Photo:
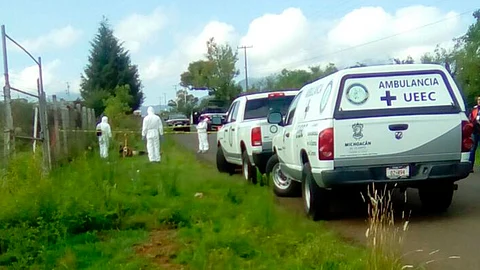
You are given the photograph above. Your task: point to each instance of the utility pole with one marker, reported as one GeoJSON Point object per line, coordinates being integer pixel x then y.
{"type": "Point", "coordinates": [246, 67]}
{"type": "Point", "coordinates": [8, 130]}
{"type": "Point", "coordinates": [68, 89]}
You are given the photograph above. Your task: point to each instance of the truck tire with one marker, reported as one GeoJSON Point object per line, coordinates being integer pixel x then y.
{"type": "Point", "coordinates": [436, 199]}
{"type": "Point", "coordinates": [249, 172]}
{"type": "Point", "coordinates": [222, 164]}
{"type": "Point", "coordinates": [282, 186]}
{"type": "Point", "coordinates": [316, 200]}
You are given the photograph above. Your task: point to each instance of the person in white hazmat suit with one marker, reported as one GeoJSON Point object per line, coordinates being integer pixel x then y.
{"type": "Point", "coordinates": [152, 129]}
{"type": "Point", "coordinates": [202, 135]}
{"type": "Point", "coordinates": [104, 134]}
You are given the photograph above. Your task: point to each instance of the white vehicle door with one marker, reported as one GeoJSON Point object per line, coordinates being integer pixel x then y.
{"type": "Point", "coordinates": [233, 133]}
{"type": "Point", "coordinates": [227, 130]}
{"type": "Point", "coordinates": [288, 151]}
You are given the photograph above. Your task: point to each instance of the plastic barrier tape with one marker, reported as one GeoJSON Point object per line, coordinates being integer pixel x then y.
{"type": "Point", "coordinates": [134, 132]}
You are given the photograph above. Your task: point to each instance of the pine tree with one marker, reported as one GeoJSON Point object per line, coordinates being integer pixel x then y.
{"type": "Point", "coordinates": [109, 66]}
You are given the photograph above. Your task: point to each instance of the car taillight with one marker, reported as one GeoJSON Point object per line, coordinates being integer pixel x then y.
{"type": "Point", "coordinates": [325, 144]}
{"type": "Point", "coordinates": [256, 136]}
{"type": "Point", "coordinates": [467, 130]}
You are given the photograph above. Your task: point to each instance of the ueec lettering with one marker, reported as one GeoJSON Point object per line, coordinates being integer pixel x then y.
{"type": "Point", "coordinates": [419, 96]}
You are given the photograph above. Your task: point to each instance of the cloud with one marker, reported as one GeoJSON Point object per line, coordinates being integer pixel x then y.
{"type": "Point", "coordinates": [366, 33]}
{"type": "Point", "coordinates": [137, 29]}
{"type": "Point", "coordinates": [191, 48]}
{"type": "Point", "coordinates": [371, 32]}
{"type": "Point", "coordinates": [277, 39]}
{"type": "Point", "coordinates": [26, 79]}
{"type": "Point", "coordinates": [289, 39]}
{"type": "Point", "coordinates": [56, 39]}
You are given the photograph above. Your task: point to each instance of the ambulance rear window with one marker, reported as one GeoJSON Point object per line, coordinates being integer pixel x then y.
{"type": "Point", "coordinates": [395, 93]}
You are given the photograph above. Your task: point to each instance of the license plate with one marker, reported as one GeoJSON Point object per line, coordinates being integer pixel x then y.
{"type": "Point", "coordinates": [398, 172]}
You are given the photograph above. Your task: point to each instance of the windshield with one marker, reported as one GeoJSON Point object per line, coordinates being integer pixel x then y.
{"type": "Point", "coordinates": [260, 108]}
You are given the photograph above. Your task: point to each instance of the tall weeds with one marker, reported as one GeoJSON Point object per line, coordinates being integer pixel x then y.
{"type": "Point", "coordinates": [385, 238]}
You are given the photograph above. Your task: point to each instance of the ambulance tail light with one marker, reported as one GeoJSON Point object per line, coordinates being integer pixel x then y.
{"type": "Point", "coordinates": [467, 130]}
{"type": "Point", "coordinates": [256, 136]}
{"type": "Point", "coordinates": [325, 144]}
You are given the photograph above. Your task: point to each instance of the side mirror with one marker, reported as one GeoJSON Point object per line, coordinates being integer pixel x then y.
{"type": "Point", "coordinates": [217, 120]}
{"type": "Point", "coordinates": [275, 118]}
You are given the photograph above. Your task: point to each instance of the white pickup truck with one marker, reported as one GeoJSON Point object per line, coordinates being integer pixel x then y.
{"type": "Point", "coordinates": [392, 125]}
{"type": "Point", "coordinates": [245, 137]}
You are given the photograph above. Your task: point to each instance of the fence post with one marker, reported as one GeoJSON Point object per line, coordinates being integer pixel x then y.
{"type": "Point", "coordinates": [65, 127]}
{"type": "Point", "coordinates": [35, 128]}
{"type": "Point", "coordinates": [84, 118]}
{"type": "Point", "coordinates": [89, 122]}
{"type": "Point", "coordinates": [56, 128]}
{"type": "Point", "coordinates": [9, 147]}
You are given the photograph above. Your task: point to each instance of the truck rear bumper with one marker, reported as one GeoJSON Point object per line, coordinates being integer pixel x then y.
{"type": "Point", "coordinates": [419, 173]}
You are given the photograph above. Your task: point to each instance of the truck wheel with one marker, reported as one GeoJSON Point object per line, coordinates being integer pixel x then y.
{"type": "Point", "coordinates": [283, 186]}
{"type": "Point", "coordinates": [436, 199]}
{"type": "Point", "coordinates": [316, 200]}
{"type": "Point", "coordinates": [249, 171]}
{"type": "Point", "coordinates": [222, 164]}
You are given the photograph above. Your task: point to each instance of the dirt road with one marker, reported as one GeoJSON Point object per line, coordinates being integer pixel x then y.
{"type": "Point", "coordinates": [455, 233]}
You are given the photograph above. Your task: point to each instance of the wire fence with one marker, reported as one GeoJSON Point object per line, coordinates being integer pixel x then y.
{"type": "Point", "coordinates": [63, 119]}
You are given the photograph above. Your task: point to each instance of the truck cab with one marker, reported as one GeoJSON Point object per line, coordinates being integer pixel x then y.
{"type": "Point", "coordinates": [245, 137]}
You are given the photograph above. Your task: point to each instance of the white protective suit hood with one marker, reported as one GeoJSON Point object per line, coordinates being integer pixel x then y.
{"type": "Point", "coordinates": [105, 120]}
{"type": "Point", "coordinates": [150, 110]}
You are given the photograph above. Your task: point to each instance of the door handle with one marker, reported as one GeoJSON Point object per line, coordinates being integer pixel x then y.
{"type": "Point", "coordinates": [398, 127]}
{"type": "Point", "coordinates": [287, 135]}
{"type": "Point", "coordinates": [233, 129]}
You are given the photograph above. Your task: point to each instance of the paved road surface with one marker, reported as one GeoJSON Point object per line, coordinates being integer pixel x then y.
{"type": "Point", "coordinates": [455, 233]}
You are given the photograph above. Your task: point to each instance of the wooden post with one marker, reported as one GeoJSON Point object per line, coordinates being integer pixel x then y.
{"type": "Point", "coordinates": [78, 127]}
{"type": "Point", "coordinates": [89, 118]}
{"type": "Point", "coordinates": [35, 128]}
{"type": "Point", "coordinates": [84, 118]}
{"type": "Point", "coordinates": [65, 127]}
{"type": "Point", "coordinates": [56, 131]}
{"type": "Point", "coordinates": [9, 146]}
{"type": "Point", "coordinates": [92, 119]}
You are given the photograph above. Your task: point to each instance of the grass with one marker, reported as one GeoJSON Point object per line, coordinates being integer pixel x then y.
{"type": "Point", "coordinates": [386, 233]}
{"type": "Point", "coordinates": [96, 214]}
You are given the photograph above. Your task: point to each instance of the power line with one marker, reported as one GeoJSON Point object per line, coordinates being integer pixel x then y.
{"type": "Point", "coordinates": [376, 40]}
{"type": "Point", "coordinates": [246, 66]}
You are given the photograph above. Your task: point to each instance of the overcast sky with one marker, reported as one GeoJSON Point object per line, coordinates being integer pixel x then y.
{"type": "Point", "coordinates": [164, 38]}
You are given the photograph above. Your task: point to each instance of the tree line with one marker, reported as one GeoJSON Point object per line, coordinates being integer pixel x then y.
{"type": "Point", "coordinates": [111, 83]}
{"type": "Point", "coordinates": [216, 72]}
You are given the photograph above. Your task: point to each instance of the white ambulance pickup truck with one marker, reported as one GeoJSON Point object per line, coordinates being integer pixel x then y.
{"type": "Point", "coordinates": [245, 137]}
{"type": "Point", "coordinates": [402, 125]}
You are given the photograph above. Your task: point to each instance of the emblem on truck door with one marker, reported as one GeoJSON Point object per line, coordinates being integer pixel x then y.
{"type": "Point", "coordinates": [273, 129]}
{"type": "Point", "coordinates": [357, 131]}
{"type": "Point", "coordinates": [398, 135]}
